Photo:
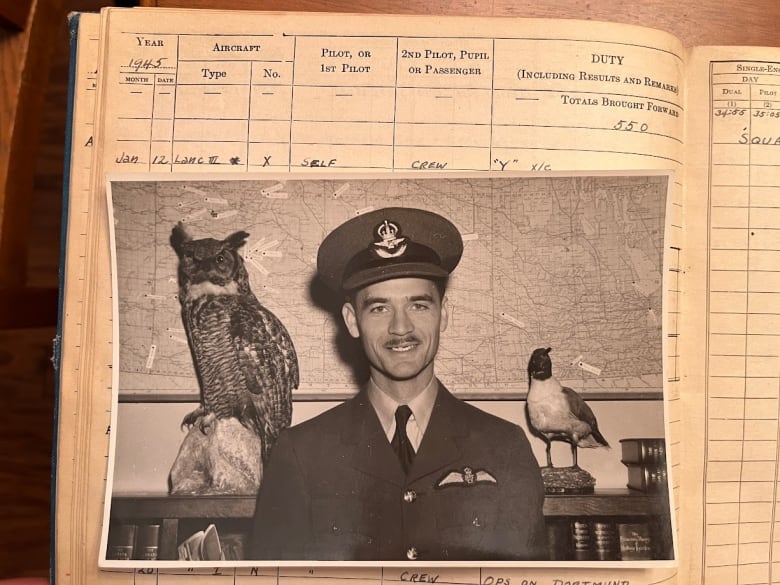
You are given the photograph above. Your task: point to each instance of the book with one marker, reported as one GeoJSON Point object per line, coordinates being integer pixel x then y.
{"type": "Point", "coordinates": [147, 543]}
{"type": "Point", "coordinates": [133, 542]}
{"type": "Point", "coordinates": [645, 461]}
{"type": "Point", "coordinates": [605, 540]}
{"type": "Point", "coordinates": [582, 540]}
{"type": "Point", "coordinates": [121, 546]}
{"type": "Point", "coordinates": [253, 93]}
{"type": "Point", "coordinates": [635, 541]}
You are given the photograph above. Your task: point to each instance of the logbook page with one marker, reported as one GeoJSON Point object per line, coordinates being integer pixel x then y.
{"type": "Point", "coordinates": [194, 91]}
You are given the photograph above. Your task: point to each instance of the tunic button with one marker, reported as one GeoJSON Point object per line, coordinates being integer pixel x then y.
{"type": "Point", "coordinates": [410, 496]}
{"type": "Point", "coordinates": [411, 554]}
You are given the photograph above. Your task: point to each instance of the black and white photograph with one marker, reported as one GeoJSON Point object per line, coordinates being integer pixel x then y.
{"type": "Point", "coordinates": [412, 369]}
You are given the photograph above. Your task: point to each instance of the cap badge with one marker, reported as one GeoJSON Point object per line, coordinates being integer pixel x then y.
{"type": "Point", "coordinates": [389, 242]}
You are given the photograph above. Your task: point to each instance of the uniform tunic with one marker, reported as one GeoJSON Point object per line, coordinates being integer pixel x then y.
{"type": "Point", "coordinates": [334, 490]}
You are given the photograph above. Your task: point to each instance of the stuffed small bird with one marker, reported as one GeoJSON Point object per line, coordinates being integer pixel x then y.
{"type": "Point", "coordinates": [557, 413]}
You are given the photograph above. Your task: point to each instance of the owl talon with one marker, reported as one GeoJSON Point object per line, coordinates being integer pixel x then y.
{"type": "Point", "coordinates": [193, 418]}
{"type": "Point", "coordinates": [206, 422]}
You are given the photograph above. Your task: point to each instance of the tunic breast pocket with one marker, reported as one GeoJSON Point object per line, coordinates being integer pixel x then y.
{"type": "Point", "coordinates": [464, 517]}
{"type": "Point", "coordinates": [343, 529]}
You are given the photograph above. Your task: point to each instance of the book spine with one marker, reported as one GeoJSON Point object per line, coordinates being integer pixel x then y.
{"type": "Point", "coordinates": [582, 540]}
{"type": "Point", "coordinates": [646, 478]}
{"type": "Point", "coordinates": [121, 542]}
{"type": "Point", "coordinates": [147, 542]}
{"type": "Point", "coordinates": [636, 544]}
{"type": "Point", "coordinates": [605, 541]}
{"type": "Point", "coordinates": [559, 540]}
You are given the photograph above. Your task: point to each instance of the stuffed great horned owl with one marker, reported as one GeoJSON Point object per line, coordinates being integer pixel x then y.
{"type": "Point", "coordinates": [246, 367]}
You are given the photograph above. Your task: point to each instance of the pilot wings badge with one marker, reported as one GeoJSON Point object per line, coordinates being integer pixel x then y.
{"type": "Point", "coordinates": [466, 478]}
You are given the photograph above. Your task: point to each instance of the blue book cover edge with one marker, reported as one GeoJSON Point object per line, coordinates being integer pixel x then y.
{"type": "Point", "coordinates": [73, 27]}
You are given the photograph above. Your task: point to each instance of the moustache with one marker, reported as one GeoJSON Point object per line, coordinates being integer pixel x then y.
{"type": "Point", "coordinates": [397, 342]}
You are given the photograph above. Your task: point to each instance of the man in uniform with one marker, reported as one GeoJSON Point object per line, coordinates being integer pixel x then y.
{"type": "Point", "coordinates": [404, 470]}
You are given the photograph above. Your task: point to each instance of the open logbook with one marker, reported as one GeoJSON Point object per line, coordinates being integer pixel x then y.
{"type": "Point", "coordinates": [616, 195]}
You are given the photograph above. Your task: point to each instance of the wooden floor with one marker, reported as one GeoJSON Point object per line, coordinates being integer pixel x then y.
{"type": "Point", "coordinates": [26, 372]}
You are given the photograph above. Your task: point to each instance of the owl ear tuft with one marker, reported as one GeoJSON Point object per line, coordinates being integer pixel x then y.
{"type": "Point", "coordinates": [179, 237]}
{"type": "Point", "coordinates": [237, 239]}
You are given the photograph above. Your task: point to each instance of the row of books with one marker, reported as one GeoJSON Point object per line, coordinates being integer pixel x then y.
{"type": "Point", "coordinates": [645, 461]}
{"type": "Point", "coordinates": [584, 539]}
{"type": "Point", "coordinates": [128, 542]}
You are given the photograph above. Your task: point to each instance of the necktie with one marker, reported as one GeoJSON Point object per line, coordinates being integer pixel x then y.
{"type": "Point", "coordinates": [400, 443]}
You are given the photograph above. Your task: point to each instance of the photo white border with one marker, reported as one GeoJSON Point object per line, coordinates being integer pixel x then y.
{"type": "Point", "coordinates": [170, 566]}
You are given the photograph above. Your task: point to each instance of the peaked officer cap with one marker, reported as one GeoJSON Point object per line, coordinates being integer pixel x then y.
{"type": "Point", "coordinates": [393, 242]}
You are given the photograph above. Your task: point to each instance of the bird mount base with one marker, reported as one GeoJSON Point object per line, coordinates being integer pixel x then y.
{"type": "Point", "coordinates": [567, 481]}
{"type": "Point", "coordinates": [224, 460]}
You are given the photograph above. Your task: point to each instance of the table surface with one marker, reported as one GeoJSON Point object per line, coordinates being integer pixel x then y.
{"type": "Point", "coordinates": [695, 22]}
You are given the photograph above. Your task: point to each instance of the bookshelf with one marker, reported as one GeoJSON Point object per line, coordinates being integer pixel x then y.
{"type": "Point", "coordinates": [600, 523]}
{"type": "Point", "coordinates": [174, 513]}
{"type": "Point", "coordinates": [606, 502]}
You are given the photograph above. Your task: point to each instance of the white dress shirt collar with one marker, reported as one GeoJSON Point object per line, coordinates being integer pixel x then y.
{"type": "Point", "coordinates": [421, 406]}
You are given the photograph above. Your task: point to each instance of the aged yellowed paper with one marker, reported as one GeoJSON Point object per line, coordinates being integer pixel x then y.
{"type": "Point", "coordinates": [732, 371]}
{"type": "Point", "coordinates": [186, 91]}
